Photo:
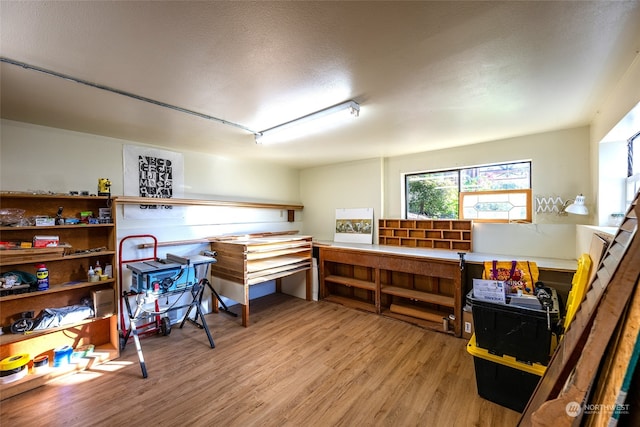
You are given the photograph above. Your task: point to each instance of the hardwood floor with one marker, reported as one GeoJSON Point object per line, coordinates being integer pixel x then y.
{"type": "Point", "coordinates": [300, 363]}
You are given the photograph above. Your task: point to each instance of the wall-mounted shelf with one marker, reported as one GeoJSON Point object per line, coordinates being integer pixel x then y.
{"type": "Point", "coordinates": [456, 235]}
{"type": "Point", "coordinates": [132, 200]}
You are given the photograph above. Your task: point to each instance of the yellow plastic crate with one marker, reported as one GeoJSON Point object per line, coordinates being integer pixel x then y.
{"type": "Point", "coordinates": [579, 286]}
{"type": "Point", "coordinates": [505, 360]}
{"type": "Point", "coordinates": [503, 379]}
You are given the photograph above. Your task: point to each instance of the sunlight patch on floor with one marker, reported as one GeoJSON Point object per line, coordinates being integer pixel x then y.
{"type": "Point", "coordinates": [92, 373]}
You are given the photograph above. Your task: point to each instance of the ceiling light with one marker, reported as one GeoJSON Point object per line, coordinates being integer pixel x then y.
{"type": "Point", "coordinates": [577, 207]}
{"type": "Point", "coordinates": [305, 125]}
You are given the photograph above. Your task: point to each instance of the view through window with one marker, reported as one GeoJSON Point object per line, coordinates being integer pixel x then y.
{"type": "Point", "coordinates": [497, 193]}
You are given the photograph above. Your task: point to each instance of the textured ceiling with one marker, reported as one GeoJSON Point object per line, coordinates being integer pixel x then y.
{"type": "Point", "coordinates": [428, 75]}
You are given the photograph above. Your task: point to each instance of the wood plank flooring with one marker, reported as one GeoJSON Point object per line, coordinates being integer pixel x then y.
{"type": "Point", "coordinates": [300, 363]}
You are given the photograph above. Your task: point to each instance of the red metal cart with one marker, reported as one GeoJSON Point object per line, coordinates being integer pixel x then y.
{"type": "Point", "coordinates": [159, 324]}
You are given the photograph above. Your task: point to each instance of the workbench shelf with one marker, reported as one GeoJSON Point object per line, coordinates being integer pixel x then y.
{"type": "Point", "coordinates": [430, 234]}
{"type": "Point", "coordinates": [351, 284]}
{"type": "Point", "coordinates": [84, 245]}
{"type": "Point", "coordinates": [417, 298]}
{"type": "Point", "coordinates": [420, 290]}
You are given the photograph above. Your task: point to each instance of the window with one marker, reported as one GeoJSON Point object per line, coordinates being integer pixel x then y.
{"type": "Point", "coordinates": [491, 193]}
{"type": "Point", "coordinates": [633, 168]}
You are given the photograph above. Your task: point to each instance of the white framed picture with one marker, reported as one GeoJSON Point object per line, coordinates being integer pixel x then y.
{"type": "Point", "coordinates": [354, 225]}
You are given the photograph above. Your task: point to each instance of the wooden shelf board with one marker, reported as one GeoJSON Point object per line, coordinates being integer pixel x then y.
{"type": "Point", "coordinates": [52, 258]}
{"type": "Point", "coordinates": [31, 195]}
{"type": "Point", "coordinates": [101, 354]}
{"type": "Point", "coordinates": [268, 264]}
{"type": "Point", "coordinates": [57, 288]}
{"type": "Point", "coordinates": [349, 281]}
{"type": "Point", "coordinates": [251, 256]}
{"type": "Point", "coordinates": [277, 274]}
{"type": "Point", "coordinates": [442, 300]}
{"type": "Point", "coordinates": [435, 326]}
{"type": "Point", "coordinates": [58, 227]}
{"type": "Point", "coordinates": [8, 338]}
{"type": "Point", "coordinates": [132, 200]}
{"type": "Point", "coordinates": [288, 242]}
{"type": "Point", "coordinates": [263, 244]}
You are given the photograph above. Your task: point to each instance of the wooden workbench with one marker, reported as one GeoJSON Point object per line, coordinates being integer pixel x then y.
{"type": "Point", "coordinates": [246, 262]}
{"type": "Point", "coordinates": [414, 284]}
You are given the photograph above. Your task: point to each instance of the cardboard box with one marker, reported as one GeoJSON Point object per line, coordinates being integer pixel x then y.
{"type": "Point", "coordinates": [103, 302]}
{"type": "Point", "coordinates": [45, 222]}
{"type": "Point", "coordinates": [45, 241]}
{"type": "Point", "coordinates": [467, 323]}
{"type": "Point", "coordinates": [489, 290]}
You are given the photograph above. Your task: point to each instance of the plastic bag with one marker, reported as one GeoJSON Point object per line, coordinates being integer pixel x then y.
{"type": "Point", "coordinates": [54, 317]}
{"type": "Point", "coordinates": [518, 275]}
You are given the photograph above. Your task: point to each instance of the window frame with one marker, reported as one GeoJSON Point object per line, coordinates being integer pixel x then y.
{"type": "Point", "coordinates": [528, 192]}
{"type": "Point", "coordinates": [529, 210]}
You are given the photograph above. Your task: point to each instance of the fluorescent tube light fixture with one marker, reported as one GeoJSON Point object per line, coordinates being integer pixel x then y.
{"type": "Point", "coordinates": [310, 123]}
{"type": "Point", "coordinates": [577, 206]}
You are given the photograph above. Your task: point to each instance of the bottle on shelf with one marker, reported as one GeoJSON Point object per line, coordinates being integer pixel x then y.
{"type": "Point", "coordinates": [42, 274]}
{"type": "Point", "coordinates": [91, 275]}
{"type": "Point", "coordinates": [97, 269]}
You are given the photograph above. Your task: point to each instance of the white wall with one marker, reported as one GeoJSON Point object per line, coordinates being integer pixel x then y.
{"type": "Point", "coordinates": [43, 158]}
{"type": "Point", "coordinates": [39, 158]}
{"type": "Point", "coordinates": [345, 185]}
{"type": "Point", "coordinates": [526, 240]}
{"type": "Point", "coordinates": [560, 167]}
{"type": "Point", "coordinates": [612, 180]}
{"type": "Point", "coordinates": [620, 100]}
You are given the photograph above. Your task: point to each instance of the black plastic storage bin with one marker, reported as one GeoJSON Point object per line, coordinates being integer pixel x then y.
{"type": "Point", "coordinates": [524, 333]}
{"type": "Point", "coordinates": [504, 380]}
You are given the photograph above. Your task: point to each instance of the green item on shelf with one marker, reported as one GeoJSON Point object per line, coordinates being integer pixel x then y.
{"type": "Point", "coordinates": [26, 278]}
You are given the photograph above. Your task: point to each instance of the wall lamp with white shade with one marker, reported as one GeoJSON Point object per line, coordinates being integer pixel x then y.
{"type": "Point", "coordinates": [282, 132]}
{"type": "Point", "coordinates": [576, 206]}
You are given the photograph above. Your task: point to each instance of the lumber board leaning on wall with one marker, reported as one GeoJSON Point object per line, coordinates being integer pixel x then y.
{"type": "Point", "coordinates": [571, 371]}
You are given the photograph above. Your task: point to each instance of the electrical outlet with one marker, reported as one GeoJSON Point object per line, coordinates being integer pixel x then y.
{"type": "Point", "coordinates": [467, 327]}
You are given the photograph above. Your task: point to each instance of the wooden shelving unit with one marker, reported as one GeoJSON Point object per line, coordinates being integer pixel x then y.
{"type": "Point", "coordinates": [350, 278]}
{"type": "Point", "coordinates": [242, 263]}
{"type": "Point", "coordinates": [416, 289]}
{"type": "Point", "coordinates": [67, 285]}
{"type": "Point", "coordinates": [452, 234]}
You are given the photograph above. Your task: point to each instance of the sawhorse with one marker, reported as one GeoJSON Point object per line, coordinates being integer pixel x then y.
{"type": "Point", "coordinates": [204, 282]}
